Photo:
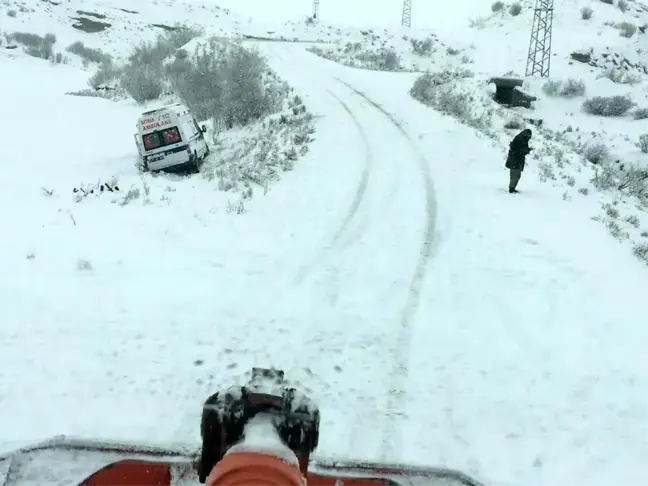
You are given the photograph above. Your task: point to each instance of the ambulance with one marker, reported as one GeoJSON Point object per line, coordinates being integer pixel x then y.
{"type": "Point", "coordinates": [170, 138]}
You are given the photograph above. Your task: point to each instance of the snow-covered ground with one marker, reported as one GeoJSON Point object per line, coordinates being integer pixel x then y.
{"type": "Point", "coordinates": [435, 319]}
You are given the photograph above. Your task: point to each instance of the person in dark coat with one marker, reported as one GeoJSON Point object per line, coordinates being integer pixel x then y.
{"type": "Point", "coordinates": [518, 150]}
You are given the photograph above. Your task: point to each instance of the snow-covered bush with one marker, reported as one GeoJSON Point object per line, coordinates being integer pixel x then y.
{"type": "Point", "coordinates": [620, 76]}
{"type": "Point", "coordinates": [607, 105]}
{"type": "Point", "coordinates": [586, 13]}
{"type": "Point", "coordinates": [640, 250]}
{"type": "Point", "coordinates": [441, 91]}
{"type": "Point", "coordinates": [106, 73]}
{"type": "Point", "coordinates": [596, 153]}
{"type": "Point", "coordinates": [626, 29]}
{"type": "Point", "coordinates": [257, 153]}
{"type": "Point", "coordinates": [35, 45]}
{"type": "Point", "coordinates": [552, 87]}
{"type": "Point", "coordinates": [623, 5]}
{"type": "Point", "coordinates": [226, 82]}
{"type": "Point", "coordinates": [384, 59]}
{"type": "Point", "coordinates": [640, 114]}
{"type": "Point", "coordinates": [143, 76]}
{"type": "Point", "coordinates": [94, 93]}
{"type": "Point", "coordinates": [364, 57]}
{"type": "Point", "coordinates": [11, 13]}
{"type": "Point", "coordinates": [570, 88]}
{"type": "Point", "coordinates": [546, 172]}
{"type": "Point", "coordinates": [515, 9]}
{"type": "Point", "coordinates": [514, 124]}
{"type": "Point", "coordinates": [88, 54]}
{"type": "Point", "coordinates": [422, 47]}
{"type": "Point", "coordinates": [643, 143]}
{"type": "Point", "coordinates": [497, 6]}
{"type": "Point", "coordinates": [143, 81]}
{"type": "Point", "coordinates": [628, 179]}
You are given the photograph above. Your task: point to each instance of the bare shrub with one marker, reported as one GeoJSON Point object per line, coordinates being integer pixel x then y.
{"type": "Point", "coordinates": [631, 180]}
{"type": "Point", "coordinates": [626, 29]}
{"type": "Point", "coordinates": [607, 105]}
{"type": "Point", "coordinates": [385, 59]}
{"type": "Point", "coordinates": [570, 88]}
{"type": "Point", "coordinates": [586, 13]}
{"type": "Point", "coordinates": [225, 81]}
{"type": "Point", "coordinates": [106, 74]}
{"type": "Point", "coordinates": [640, 114]}
{"type": "Point", "coordinates": [422, 47]}
{"type": "Point", "coordinates": [596, 153]}
{"type": "Point", "coordinates": [643, 143]}
{"type": "Point", "coordinates": [514, 124]}
{"type": "Point", "coordinates": [640, 250]}
{"type": "Point", "coordinates": [620, 76]}
{"type": "Point", "coordinates": [143, 77]}
{"type": "Point", "coordinates": [35, 45]}
{"type": "Point", "coordinates": [88, 54]}
{"type": "Point", "coordinates": [515, 9]}
{"type": "Point", "coordinates": [440, 90]}
{"type": "Point", "coordinates": [552, 87]}
{"type": "Point", "coordinates": [143, 82]}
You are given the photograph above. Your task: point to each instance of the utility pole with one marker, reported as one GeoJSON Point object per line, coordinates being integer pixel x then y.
{"type": "Point", "coordinates": [316, 10]}
{"type": "Point", "coordinates": [406, 19]}
{"type": "Point", "coordinates": [539, 58]}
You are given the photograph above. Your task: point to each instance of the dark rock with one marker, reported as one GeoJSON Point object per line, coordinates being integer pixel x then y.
{"type": "Point", "coordinates": [89, 26]}
{"type": "Point", "coordinates": [584, 57]}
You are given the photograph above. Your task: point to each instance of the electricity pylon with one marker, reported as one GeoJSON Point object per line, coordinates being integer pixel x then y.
{"type": "Point", "coordinates": [539, 58]}
{"type": "Point", "coordinates": [316, 10]}
{"type": "Point", "coordinates": [406, 19]}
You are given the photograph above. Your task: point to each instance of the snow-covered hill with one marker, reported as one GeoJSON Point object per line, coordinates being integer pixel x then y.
{"type": "Point", "coordinates": [378, 259]}
{"type": "Point", "coordinates": [599, 50]}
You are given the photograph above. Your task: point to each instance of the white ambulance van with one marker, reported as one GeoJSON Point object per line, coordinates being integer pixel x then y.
{"type": "Point", "coordinates": [169, 137]}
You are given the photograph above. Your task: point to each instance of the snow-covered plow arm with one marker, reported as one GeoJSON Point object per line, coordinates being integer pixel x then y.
{"type": "Point", "coordinates": [67, 461]}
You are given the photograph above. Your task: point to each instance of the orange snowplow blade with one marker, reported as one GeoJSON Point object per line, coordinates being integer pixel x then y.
{"type": "Point", "coordinates": [81, 462]}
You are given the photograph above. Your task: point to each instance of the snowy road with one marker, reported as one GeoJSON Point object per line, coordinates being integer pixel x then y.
{"type": "Point", "coordinates": [517, 356]}
{"type": "Point", "coordinates": [377, 256]}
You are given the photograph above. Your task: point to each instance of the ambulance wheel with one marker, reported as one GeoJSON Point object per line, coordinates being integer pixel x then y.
{"type": "Point", "coordinates": [196, 162]}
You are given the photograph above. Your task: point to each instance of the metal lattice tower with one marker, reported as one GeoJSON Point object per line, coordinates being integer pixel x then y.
{"type": "Point", "coordinates": [406, 20]}
{"type": "Point", "coordinates": [539, 58]}
{"type": "Point", "coordinates": [316, 10]}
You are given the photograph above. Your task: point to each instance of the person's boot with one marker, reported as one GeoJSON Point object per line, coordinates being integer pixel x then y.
{"type": "Point", "coordinates": [513, 191]}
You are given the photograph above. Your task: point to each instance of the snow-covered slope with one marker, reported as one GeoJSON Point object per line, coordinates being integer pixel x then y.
{"type": "Point", "coordinates": [435, 319]}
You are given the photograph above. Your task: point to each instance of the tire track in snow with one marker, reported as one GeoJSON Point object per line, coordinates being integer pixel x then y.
{"type": "Point", "coordinates": [357, 198]}
{"type": "Point", "coordinates": [391, 445]}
